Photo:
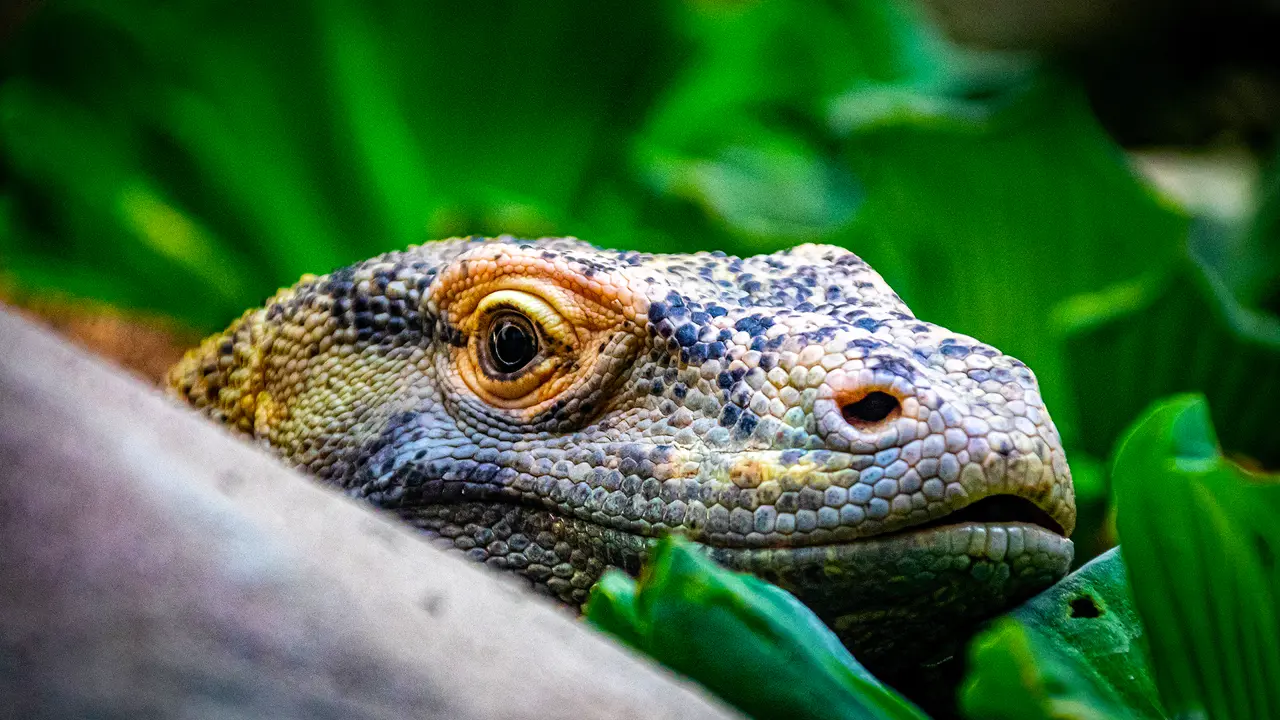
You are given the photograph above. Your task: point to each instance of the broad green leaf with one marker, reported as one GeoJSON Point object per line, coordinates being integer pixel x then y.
{"type": "Point", "coordinates": [1178, 329]}
{"type": "Point", "coordinates": [775, 187]}
{"type": "Point", "coordinates": [1074, 651]}
{"type": "Point", "coordinates": [751, 643]}
{"type": "Point", "coordinates": [1200, 539]}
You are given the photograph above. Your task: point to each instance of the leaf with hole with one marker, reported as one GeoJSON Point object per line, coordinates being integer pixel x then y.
{"type": "Point", "coordinates": [1076, 650]}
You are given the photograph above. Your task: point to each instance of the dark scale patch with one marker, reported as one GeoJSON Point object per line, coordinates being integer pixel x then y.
{"type": "Point", "coordinates": [867, 344]}
{"type": "Point", "coordinates": [345, 275]}
{"type": "Point", "coordinates": [729, 416]}
{"type": "Point", "coordinates": [363, 320]}
{"type": "Point", "coordinates": [955, 351]}
{"type": "Point", "coordinates": [868, 324]}
{"type": "Point", "coordinates": [716, 311]}
{"type": "Point", "coordinates": [895, 366]}
{"type": "Point", "coordinates": [453, 336]}
{"type": "Point", "coordinates": [746, 425]}
{"type": "Point", "coordinates": [679, 391]}
{"type": "Point", "coordinates": [753, 325]}
{"type": "Point", "coordinates": [716, 350]}
{"type": "Point", "coordinates": [724, 380]}
{"type": "Point", "coordinates": [687, 335]}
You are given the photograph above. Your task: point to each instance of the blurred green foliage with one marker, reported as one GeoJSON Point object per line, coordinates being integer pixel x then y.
{"type": "Point", "coordinates": [191, 157]}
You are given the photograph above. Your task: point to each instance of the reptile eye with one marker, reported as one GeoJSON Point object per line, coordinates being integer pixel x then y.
{"type": "Point", "coordinates": [518, 346]}
{"type": "Point", "coordinates": [512, 343]}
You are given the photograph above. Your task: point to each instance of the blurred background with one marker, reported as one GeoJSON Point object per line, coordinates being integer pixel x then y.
{"type": "Point", "coordinates": [1090, 186]}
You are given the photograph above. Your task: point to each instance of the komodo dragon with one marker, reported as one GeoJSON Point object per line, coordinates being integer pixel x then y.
{"type": "Point", "coordinates": [549, 408]}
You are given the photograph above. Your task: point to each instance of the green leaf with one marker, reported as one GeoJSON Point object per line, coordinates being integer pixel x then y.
{"type": "Point", "coordinates": [1015, 676]}
{"type": "Point", "coordinates": [776, 187]}
{"type": "Point", "coordinates": [1074, 651]}
{"type": "Point", "coordinates": [1181, 328]}
{"type": "Point", "coordinates": [1201, 540]}
{"type": "Point", "coordinates": [751, 643]}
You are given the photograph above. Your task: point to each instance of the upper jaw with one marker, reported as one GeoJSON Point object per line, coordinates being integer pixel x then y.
{"type": "Point", "coordinates": [801, 499]}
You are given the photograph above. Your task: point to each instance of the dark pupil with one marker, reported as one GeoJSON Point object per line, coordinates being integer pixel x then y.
{"type": "Point", "coordinates": [512, 346]}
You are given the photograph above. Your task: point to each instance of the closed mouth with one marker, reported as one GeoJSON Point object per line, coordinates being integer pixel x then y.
{"type": "Point", "coordinates": [992, 509]}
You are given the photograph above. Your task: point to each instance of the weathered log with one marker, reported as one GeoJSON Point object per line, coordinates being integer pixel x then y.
{"type": "Point", "coordinates": [153, 566]}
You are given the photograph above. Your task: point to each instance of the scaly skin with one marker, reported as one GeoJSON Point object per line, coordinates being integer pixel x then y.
{"type": "Point", "coordinates": [701, 394]}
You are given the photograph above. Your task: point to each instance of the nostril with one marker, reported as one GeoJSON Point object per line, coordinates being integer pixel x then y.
{"type": "Point", "coordinates": [872, 408]}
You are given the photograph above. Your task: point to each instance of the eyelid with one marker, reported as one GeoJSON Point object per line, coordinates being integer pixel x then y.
{"type": "Point", "coordinates": [543, 314]}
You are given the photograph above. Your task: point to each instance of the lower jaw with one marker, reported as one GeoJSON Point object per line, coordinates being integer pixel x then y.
{"type": "Point", "coordinates": [913, 598]}
{"type": "Point", "coordinates": [898, 601]}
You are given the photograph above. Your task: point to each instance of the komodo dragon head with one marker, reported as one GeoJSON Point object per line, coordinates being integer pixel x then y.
{"type": "Point", "coordinates": [549, 408]}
